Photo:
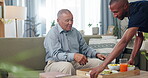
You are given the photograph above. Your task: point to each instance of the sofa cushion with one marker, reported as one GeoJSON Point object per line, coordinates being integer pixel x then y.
{"type": "Point", "coordinates": [104, 46]}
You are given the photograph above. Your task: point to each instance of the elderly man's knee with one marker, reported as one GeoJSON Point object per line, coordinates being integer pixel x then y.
{"type": "Point", "coordinates": [68, 65]}
{"type": "Point", "coordinates": [68, 68]}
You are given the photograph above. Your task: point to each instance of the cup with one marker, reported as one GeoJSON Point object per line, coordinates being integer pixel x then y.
{"type": "Point", "coordinates": [123, 64]}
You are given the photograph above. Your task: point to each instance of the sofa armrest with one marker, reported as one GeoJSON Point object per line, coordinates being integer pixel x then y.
{"type": "Point", "coordinates": [143, 61]}
{"type": "Point", "coordinates": [144, 45]}
{"type": "Point", "coordinates": [88, 37]}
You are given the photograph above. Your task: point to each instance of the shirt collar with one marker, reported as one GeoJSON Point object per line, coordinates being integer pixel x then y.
{"type": "Point", "coordinates": [61, 30]}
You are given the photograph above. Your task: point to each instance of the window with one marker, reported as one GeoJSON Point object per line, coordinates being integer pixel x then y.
{"type": "Point", "coordinates": [84, 12]}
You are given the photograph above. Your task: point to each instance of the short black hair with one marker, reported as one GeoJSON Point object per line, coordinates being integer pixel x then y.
{"type": "Point", "coordinates": [113, 1]}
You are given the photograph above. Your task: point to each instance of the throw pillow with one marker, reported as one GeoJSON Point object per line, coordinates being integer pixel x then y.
{"type": "Point", "coordinates": [103, 45]}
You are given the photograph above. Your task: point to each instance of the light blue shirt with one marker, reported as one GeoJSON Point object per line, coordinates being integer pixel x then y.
{"type": "Point", "coordinates": [61, 45]}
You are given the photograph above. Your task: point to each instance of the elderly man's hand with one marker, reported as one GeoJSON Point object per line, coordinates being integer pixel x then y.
{"type": "Point", "coordinates": [80, 58]}
{"type": "Point", "coordinates": [95, 71]}
{"type": "Point", "coordinates": [100, 56]}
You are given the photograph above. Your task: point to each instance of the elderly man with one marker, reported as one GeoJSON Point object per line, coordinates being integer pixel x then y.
{"type": "Point", "coordinates": [66, 49]}
{"type": "Point", "coordinates": [138, 22]}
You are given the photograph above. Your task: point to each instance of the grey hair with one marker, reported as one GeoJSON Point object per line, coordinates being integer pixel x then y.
{"type": "Point", "coordinates": [113, 1]}
{"type": "Point", "coordinates": [62, 11]}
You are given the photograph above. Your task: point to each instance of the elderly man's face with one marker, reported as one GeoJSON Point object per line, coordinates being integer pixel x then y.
{"type": "Point", "coordinates": [66, 21]}
{"type": "Point", "coordinates": [118, 10]}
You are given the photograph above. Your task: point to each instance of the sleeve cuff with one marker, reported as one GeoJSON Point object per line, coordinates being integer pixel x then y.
{"type": "Point", "coordinates": [70, 57]}
{"type": "Point", "coordinates": [94, 54]}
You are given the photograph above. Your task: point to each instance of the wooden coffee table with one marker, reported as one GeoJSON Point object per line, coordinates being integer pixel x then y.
{"type": "Point", "coordinates": [143, 74]}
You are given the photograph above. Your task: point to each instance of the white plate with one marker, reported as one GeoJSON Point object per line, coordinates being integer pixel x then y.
{"type": "Point", "coordinates": [113, 71]}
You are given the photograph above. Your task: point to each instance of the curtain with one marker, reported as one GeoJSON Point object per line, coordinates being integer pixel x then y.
{"type": "Point", "coordinates": [30, 4]}
{"type": "Point", "coordinates": [34, 25]}
{"type": "Point", "coordinates": [107, 18]}
{"type": "Point", "coordinates": [10, 2]}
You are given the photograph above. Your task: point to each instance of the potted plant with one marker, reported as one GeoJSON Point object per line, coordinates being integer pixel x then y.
{"type": "Point", "coordinates": [52, 23]}
{"type": "Point", "coordinates": [95, 30]}
{"type": "Point", "coordinates": [145, 47]}
{"type": "Point", "coordinates": [31, 22]}
{"type": "Point", "coordinates": [115, 31]}
{"type": "Point", "coordinates": [89, 25]}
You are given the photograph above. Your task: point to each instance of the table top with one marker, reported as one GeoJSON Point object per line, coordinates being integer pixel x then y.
{"type": "Point", "coordinates": [143, 74]}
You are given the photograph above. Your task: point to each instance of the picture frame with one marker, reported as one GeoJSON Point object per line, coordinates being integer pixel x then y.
{"type": "Point", "coordinates": [110, 30]}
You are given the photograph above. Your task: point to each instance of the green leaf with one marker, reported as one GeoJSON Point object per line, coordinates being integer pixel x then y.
{"type": "Point", "coordinates": [89, 25]}
{"type": "Point", "coordinates": [18, 71]}
{"type": "Point", "coordinates": [143, 53]}
{"type": "Point", "coordinates": [53, 23]}
{"type": "Point", "coordinates": [146, 35]}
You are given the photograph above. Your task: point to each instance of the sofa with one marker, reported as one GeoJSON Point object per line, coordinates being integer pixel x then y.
{"type": "Point", "coordinates": [30, 52]}
{"type": "Point", "coordinates": [26, 52]}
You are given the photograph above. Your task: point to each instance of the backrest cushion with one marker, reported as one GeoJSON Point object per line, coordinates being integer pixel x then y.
{"type": "Point", "coordinates": [104, 46]}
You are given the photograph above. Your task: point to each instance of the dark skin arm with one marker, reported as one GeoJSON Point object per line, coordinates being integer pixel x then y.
{"type": "Point", "coordinates": [137, 45]}
{"type": "Point", "coordinates": [128, 35]}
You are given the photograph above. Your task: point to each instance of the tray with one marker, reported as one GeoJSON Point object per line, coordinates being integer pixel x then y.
{"type": "Point", "coordinates": [84, 72]}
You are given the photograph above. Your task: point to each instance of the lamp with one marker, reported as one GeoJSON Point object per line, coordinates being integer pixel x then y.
{"type": "Point", "coordinates": [17, 13]}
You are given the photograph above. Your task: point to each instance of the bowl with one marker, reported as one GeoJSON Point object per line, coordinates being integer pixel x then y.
{"type": "Point", "coordinates": [113, 66]}
{"type": "Point", "coordinates": [130, 67]}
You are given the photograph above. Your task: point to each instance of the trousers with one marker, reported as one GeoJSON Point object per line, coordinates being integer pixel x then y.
{"type": "Point", "coordinates": [70, 67]}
